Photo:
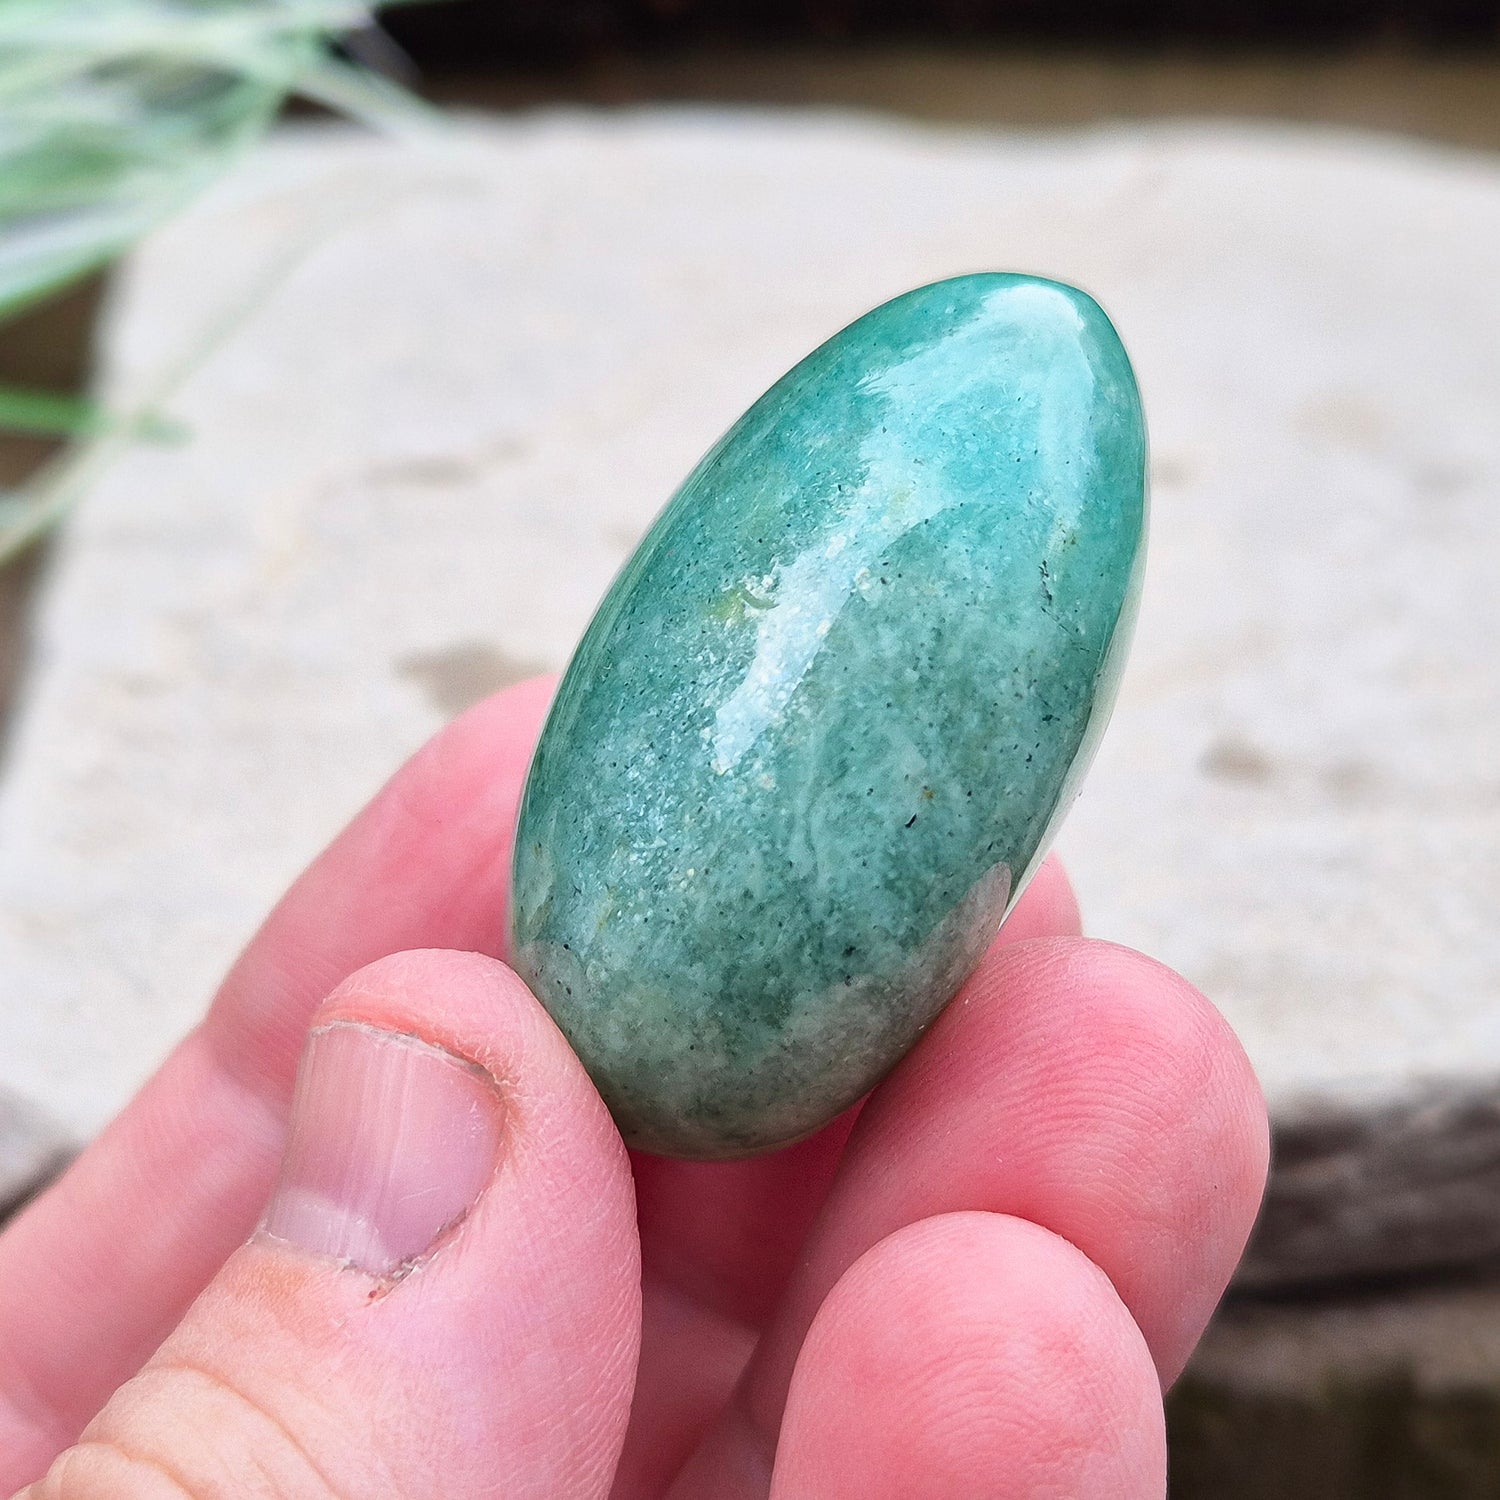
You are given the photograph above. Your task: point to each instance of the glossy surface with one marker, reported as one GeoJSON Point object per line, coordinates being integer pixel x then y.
{"type": "Point", "coordinates": [820, 730]}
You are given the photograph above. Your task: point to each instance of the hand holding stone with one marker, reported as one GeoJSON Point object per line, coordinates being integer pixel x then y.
{"type": "Point", "coordinates": [974, 1285]}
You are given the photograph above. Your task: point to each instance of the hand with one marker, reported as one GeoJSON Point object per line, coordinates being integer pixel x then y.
{"type": "Point", "coordinates": [977, 1287]}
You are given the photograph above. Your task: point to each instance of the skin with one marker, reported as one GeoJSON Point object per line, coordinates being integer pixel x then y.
{"type": "Point", "coordinates": [977, 1283]}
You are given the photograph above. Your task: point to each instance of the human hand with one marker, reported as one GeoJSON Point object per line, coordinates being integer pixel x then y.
{"type": "Point", "coordinates": [979, 1286]}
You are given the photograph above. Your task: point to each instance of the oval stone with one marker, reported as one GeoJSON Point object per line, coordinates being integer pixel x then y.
{"type": "Point", "coordinates": [820, 731]}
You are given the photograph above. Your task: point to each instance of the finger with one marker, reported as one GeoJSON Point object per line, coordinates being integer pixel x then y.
{"type": "Point", "coordinates": [720, 1240]}
{"type": "Point", "coordinates": [717, 1242]}
{"type": "Point", "coordinates": [1074, 1084]}
{"type": "Point", "coordinates": [967, 1355]}
{"type": "Point", "coordinates": [1047, 908]}
{"type": "Point", "coordinates": [444, 1290]}
{"type": "Point", "coordinates": [98, 1269]}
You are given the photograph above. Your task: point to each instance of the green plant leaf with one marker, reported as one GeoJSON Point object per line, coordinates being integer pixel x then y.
{"type": "Point", "coordinates": [113, 113]}
{"type": "Point", "coordinates": [49, 414]}
{"type": "Point", "coordinates": [43, 414]}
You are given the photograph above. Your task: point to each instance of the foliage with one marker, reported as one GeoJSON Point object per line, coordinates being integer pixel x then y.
{"type": "Point", "coordinates": [114, 113]}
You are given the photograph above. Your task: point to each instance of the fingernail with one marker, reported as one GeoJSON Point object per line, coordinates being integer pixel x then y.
{"type": "Point", "coordinates": [391, 1143]}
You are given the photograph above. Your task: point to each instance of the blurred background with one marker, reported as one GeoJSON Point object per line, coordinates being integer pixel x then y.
{"type": "Point", "coordinates": [1421, 68]}
{"type": "Point", "coordinates": [344, 358]}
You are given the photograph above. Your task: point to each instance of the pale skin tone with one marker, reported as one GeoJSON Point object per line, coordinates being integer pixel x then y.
{"type": "Point", "coordinates": [976, 1285]}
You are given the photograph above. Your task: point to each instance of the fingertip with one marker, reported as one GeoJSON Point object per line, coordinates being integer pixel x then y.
{"type": "Point", "coordinates": [518, 705]}
{"type": "Point", "coordinates": [487, 745]}
{"type": "Point", "coordinates": [1184, 1073]}
{"type": "Point", "coordinates": [466, 1002]}
{"type": "Point", "coordinates": [479, 1009]}
{"type": "Point", "coordinates": [1139, 1067]}
{"type": "Point", "coordinates": [1214, 1110]}
{"type": "Point", "coordinates": [972, 1353]}
{"type": "Point", "coordinates": [1048, 907]}
{"type": "Point", "coordinates": [517, 712]}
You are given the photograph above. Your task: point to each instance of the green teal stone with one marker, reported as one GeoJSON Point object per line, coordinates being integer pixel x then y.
{"type": "Point", "coordinates": [822, 727]}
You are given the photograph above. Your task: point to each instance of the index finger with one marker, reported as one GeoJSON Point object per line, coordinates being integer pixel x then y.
{"type": "Point", "coordinates": [98, 1270]}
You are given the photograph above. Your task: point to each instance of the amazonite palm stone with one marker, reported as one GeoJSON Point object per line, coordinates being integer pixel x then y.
{"type": "Point", "coordinates": [823, 725]}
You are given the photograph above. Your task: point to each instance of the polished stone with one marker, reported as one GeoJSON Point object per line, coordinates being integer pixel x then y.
{"type": "Point", "coordinates": [818, 734]}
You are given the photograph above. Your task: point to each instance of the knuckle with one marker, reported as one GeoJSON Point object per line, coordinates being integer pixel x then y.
{"type": "Point", "coordinates": [96, 1469]}
{"type": "Point", "coordinates": [181, 1431]}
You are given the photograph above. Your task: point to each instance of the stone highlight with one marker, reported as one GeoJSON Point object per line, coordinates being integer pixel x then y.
{"type": "Point", "coordinates": [822, 728]}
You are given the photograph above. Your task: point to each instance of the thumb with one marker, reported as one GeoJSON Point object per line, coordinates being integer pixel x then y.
{"type": "Point", "coordinates": [443, 1297]}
